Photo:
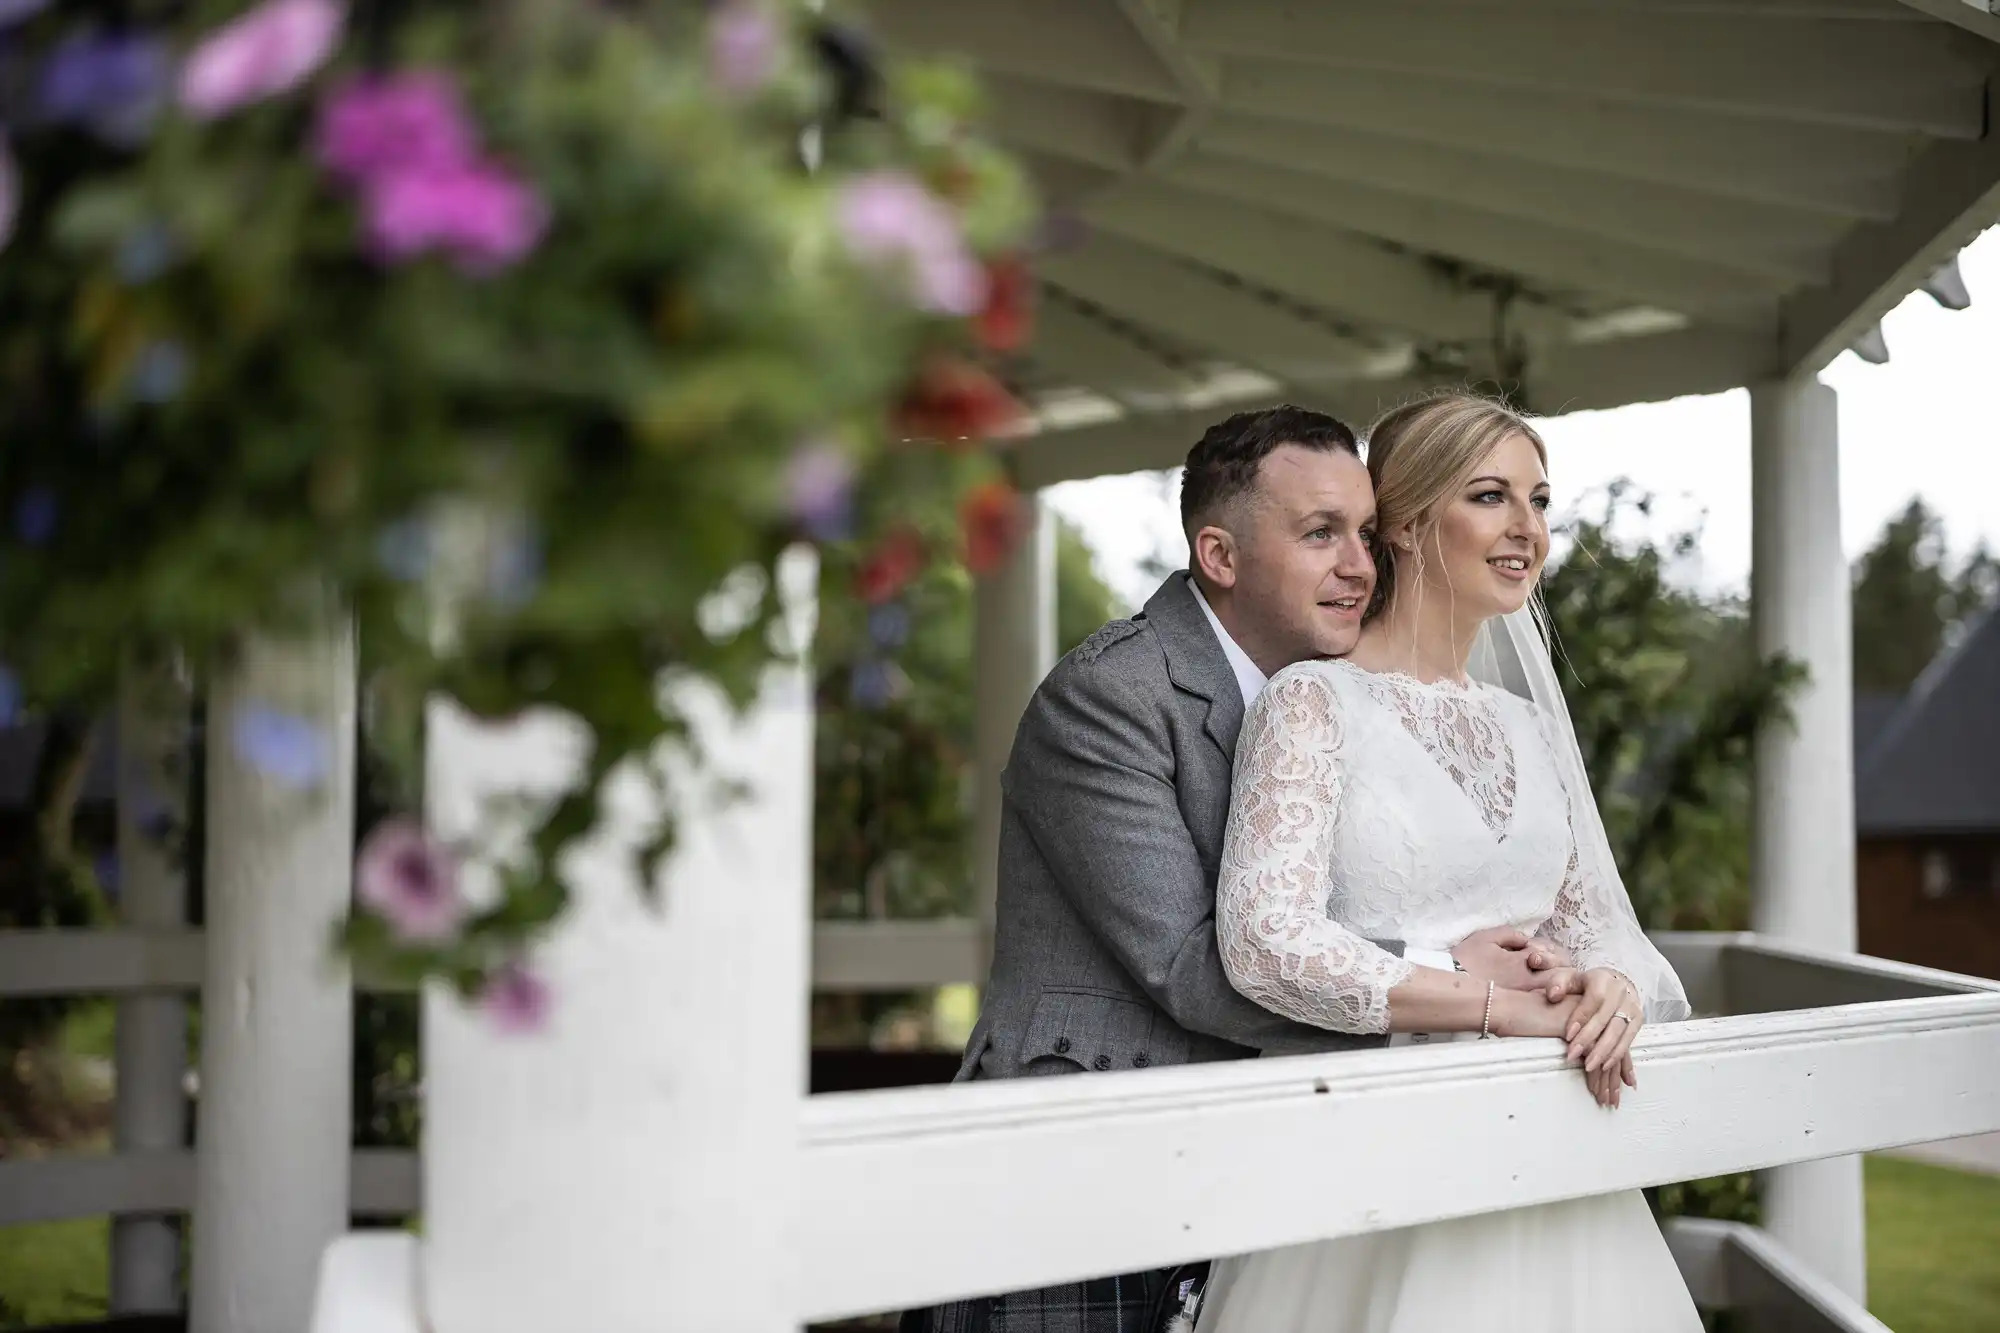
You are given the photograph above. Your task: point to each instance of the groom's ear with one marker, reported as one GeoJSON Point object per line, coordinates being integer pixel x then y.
{"type": "Point", "coordinates": [1214, 552]}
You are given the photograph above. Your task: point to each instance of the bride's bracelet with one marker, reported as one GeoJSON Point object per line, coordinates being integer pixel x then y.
{"type": "Point", "coordinates": [1486, 1023]}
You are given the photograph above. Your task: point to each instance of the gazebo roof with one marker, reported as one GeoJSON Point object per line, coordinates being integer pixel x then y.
{"type": "Point", "coordinates": [1598, 201]}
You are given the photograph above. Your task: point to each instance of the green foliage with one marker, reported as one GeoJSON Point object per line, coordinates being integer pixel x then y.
{"type": "Point", "coordinates": [522, 482]}
{"type": "Point", "coordinates": [892, 794]}
{"type": "Point", "coordinates": [1668, 696]}
{"type": "Point", "coordinates": [1909, 600]}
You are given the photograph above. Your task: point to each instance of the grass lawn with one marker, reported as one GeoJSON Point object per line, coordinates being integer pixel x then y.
{"type": "Point", "coordinates": [1933, 1248]}
{"type": "Point", "coordinates": [1933, 1256]}
{"type": "Point", "coordinates": [53, 1273]}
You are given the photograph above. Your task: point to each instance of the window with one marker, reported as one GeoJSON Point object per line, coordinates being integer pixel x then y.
{"type": "Point", "coordinates": [1937, 875]}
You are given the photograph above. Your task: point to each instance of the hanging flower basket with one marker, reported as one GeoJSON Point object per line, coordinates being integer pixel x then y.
{"type": "Point", "coordinates": [291, 293]}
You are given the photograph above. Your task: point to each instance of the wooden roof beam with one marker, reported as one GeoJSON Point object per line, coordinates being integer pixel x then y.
{"type": "Point", "coordinates": [1156, 291]}
{"type": "Point", "coordinates": [1365, 283]}
{"type": "Point", "coordinates": [1951, 194]}
{"type": "Point", "coordinates": [1843, 173]}
{"type": "Point", "coordinates": [1760, 236]}
{"type": "Point", "coordinates": [1874, 77]}
{"type": "Point", "coordinates": [1554, 256]}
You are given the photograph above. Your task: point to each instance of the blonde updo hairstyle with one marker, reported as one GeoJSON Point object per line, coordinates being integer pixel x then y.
{"type": "Point", "coordinates": [1419, 455]}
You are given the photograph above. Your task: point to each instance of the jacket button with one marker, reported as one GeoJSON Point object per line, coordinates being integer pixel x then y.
{"type": "Point", "coordinates": [1101, 1062]}
{"type": "Point", "coordinates": [1141, 1060]}
{"type": "Point", "coordinates": [1062, 1045]}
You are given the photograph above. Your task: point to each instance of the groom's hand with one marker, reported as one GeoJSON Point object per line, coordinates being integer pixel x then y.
{"type": "Point", "coordinates": [1509, 958]}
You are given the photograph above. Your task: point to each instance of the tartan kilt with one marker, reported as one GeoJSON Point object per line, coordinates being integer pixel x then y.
{"type": "Point", "coordinates": [1133, 1303]}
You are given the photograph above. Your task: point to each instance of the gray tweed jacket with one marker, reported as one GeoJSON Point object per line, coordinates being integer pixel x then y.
{"type": "Point", "coordinates": [1115, 797]}
{"type": "Point", "coordinates": [1115, 800]}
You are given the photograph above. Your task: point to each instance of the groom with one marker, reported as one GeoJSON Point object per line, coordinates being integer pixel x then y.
{"type": "Point", "coordinates": [1115, 800]}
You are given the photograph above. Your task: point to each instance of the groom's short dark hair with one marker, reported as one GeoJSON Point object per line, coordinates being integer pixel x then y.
{"type": "Point", "coordinates": [1223, 465]}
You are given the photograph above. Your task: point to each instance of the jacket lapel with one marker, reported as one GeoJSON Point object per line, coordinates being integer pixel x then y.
{"type": "Point", "coordinates": [1195, 662]}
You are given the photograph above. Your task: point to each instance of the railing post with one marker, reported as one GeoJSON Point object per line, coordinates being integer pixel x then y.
{"type": "Point", "coordinates": [1802, 878]}
{"type": "Point", "coordinates": [1013, 647]}
{"type": "Point", "coordinates": [151, 1109]}
{"type": "Point", "coordinates": [273, 1132]}
{"type": "Point", "coordinates": [633, 1166]}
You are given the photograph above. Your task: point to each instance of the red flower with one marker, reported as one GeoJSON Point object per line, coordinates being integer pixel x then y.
{"type": "Point", "coordinates": [890, 566]}
{"type": "Point", "coordinates": [993, 517]}
{"type": "Point", "coordinates": [954, 400]}
{"type": "Point", "coordinates": [1009, 317]}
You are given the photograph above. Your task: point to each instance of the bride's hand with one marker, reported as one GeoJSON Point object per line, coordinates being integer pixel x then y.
{"type": "Point", "coordinates": [1608, 1017]}
{"type": "Point", "coordinates": [1528, 1014]}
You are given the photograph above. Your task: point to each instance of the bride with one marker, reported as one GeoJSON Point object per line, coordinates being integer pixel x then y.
{"type": "Point", "coordinates": [1409, 791]}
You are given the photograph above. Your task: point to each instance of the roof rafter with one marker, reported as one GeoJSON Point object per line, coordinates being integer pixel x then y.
{"type": "Point", "coordinates": [1919, 80]}
{"type": "Point", "coordinates": [1951, 194]}
{"type": "Point", "coordinates": [1343, 274]}
{"type": "Point", "coordinates": [1757, 236]}
{"type": "Point", "coordinates": [1841, 172]}
{"type": "Point", "coordinates": [1579, 377]}
{"type": "Point", "coordinates": [1187, 304]}
{"type": "Point", "coordinates": [1559, 256]}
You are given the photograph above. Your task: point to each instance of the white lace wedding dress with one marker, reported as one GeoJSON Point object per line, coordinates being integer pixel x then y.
{"type": "Point", "coordinates": [1371, 805]}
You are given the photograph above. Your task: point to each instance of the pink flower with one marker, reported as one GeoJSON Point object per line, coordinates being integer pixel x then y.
{"type": "Point", "coordinates": [10, 192]}
{"type": "Point", "coordinates": [478, 213]}
{"type": "Point", "coordinates": [370, 128]}
{"type": "Point", "coordinates": [515, 999]}
{"type": "Point", "coordinates": [819, 485]}
{"type": "Point", "coordinates": [410, 881]}
{"type": "Point", "coordinates": [270, 50]}
{"type": "Point", "coordinates": [889, 218]}
{"type": "Point", "coordinates": [745, 47]}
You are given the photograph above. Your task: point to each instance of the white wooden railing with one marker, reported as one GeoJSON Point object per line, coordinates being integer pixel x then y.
{"type": "Point", "coordinates": [1818, 1055]}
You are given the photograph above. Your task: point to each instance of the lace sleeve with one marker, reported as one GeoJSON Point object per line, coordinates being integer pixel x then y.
{"type": "Point", "coordinates": [1599, 930]}
{"type": "Point", "coordinates": [1278, 945]}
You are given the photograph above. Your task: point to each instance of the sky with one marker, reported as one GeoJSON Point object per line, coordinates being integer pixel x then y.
{"type": "Point", "coordinates": [1926, 424]}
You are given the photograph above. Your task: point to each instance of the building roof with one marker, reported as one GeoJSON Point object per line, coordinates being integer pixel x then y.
{"type": "Point", "coordinates": [1344, 204]}
{"type": "Point", "coordinates": [1934, 767]}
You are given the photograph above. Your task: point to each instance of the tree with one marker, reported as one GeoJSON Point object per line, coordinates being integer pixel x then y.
{"type": "Point", "coordinates": [1909, 602]}
{"type": "Point", "coordinates": [892, 810]}
{"type": "Point", "coordinates": [1668, 696]}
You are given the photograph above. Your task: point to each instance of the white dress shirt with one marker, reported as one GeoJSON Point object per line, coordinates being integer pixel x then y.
{"type": "Point", "coordinates": [1251, 681]}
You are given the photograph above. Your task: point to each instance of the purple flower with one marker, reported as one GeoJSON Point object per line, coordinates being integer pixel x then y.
{"type": "Point", "coordinates": [15, 11]}
{"type": "Point", "coordinates": [10, 697]}
{"type": "Point", "coordinates": [284, 747]}
{"type": "Point", "coordinates": [481, 215]}
{"type": "Point", "coordinates": [889, 218]}
{"type": "Point", "coordinates": [746, 45]}
{"type": "Point", "coordinates": [889, 625]}
{"type": "Point", "coordinates": [410, 882]}
{"type": "Point", "coordinates": [515, 999]}
{"type": "Point", "coordinates": [160, 372]}
{"type": "Point", "coordinates": [372, 128]}
{"type": "Point", "coordinates": [272, 49]}
{"type": "Point", "coordinates": [877, 683]}
{"type": "Point", "coordinates": [10, 192]}
{"type": "Point", "coordinates": [819, 490]}
{"type": "Point", "coordinates": [35, 515]}
{"type": "Point", "coordinates": [113, 84]}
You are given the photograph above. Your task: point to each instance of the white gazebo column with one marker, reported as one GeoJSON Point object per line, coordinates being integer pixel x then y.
{"type": "Point", "coordinates": [1013, 647]}
{"type": "Point", "coordinates": [1802, 845]}
{"type": "Point", "coordinates": [632, 1166]}
{"type": "Point", "coordinates": [150, 1114]}
{"type": "Point", "coordinates": [272, 1134]}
